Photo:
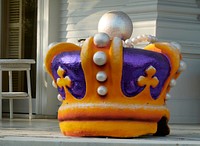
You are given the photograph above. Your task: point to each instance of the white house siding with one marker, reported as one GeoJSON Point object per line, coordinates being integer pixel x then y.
{"type": "Point", "coordinates": [169, 20]}
{"type": "Point", "coordinates": [178, 20]}
{"type": "Point", "coordinates": [79, 18]}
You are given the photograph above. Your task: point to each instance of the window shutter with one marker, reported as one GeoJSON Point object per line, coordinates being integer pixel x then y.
{"type": "Point", "coordinates": [15, 29]}
{"type": "Point", "coordinates": [15, 39]}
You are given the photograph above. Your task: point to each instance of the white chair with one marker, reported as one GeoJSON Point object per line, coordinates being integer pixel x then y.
{"type": "Point", "coordinates": [10, 65]}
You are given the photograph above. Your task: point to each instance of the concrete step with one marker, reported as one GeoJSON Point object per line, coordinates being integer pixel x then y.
{"type": "Point", "coordinates": [41, 141]}
{"type": "Point", "coordinates": [40, 132]}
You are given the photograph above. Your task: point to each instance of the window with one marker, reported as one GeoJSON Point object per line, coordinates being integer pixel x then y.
{"type": "Point", "coordinates": [19, 24]}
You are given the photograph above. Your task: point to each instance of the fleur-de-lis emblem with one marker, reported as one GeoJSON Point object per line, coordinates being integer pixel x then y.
{"type": "Point", "coordinates": [63, 81]}
{"type": "Point", "coordinates": [148, 80]}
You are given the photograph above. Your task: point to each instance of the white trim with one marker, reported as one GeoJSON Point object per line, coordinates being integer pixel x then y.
{"type": "Point", "coordinates": [42, 42]}
{"type": "Point", "coordinates": [47, 30]}
{"type": "Point", "coordinates": [112, 106]}
{"type": "Point", "coordinates": [0, 24]}
{"type": "Point", "coordinates": [191, 48]}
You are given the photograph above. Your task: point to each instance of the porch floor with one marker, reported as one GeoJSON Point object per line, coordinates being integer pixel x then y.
{"type": "Point", "coordinates": [40, 132]}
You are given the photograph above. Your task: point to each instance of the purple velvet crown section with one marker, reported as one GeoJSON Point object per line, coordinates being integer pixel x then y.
{"type": "Point", "coordinates": [71, 63]}
{"type": "Point", "coordinates": [135, 62]}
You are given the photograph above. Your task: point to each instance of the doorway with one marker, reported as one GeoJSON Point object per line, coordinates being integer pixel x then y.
{"type": "Point", "coordinates": [18, 37]}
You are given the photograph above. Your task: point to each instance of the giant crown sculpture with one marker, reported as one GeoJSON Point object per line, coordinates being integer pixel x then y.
{"type": "Point", "coordinates": [108, 87]}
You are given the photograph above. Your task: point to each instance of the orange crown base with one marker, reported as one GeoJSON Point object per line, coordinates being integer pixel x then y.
{"type": "Point", "coordinates": [111, 128]}
{"type": "Point", "coordinates": [113, 120]}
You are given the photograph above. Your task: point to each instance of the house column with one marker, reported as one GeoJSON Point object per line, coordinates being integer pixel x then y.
{"type": "Point", "coordinates": [47, 32]}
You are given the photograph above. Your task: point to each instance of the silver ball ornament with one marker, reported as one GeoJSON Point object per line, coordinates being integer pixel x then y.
{"type": "Point", "coordinates": [116, 24]}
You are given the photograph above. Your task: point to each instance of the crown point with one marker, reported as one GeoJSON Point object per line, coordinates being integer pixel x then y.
{"type": "Point", "coordinates": [101, 76]}
{"type": "Point", "coordinates": [60, 98]}
{"type": "Point", "coordinates": [101, 40]}
{"type": "Point", "coordinates": [150, 70]}
{"type": "Point", "coordinates": [102, 90]}
{"type": "Point", "coordinates": [60, 71]}
{"type": "Point", "coordinates": [99, 58]}
{"type": "Point", "coordinates": [172, 83]}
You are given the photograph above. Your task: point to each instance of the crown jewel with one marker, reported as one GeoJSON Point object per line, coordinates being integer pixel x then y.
{"type": "Point", "coordinates": [110, 88]}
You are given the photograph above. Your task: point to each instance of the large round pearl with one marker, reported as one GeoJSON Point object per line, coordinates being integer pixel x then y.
{"type": "Point", "coordinates": [116, 24]}
{"type": "Point", "coordinates": [102, 90]}
{"type": "Point", "coordinates": [101, 40]}
{"type": "Point", "coordinates": [101, 76]}
{"type": "Point", "coordinates": [99, 58]}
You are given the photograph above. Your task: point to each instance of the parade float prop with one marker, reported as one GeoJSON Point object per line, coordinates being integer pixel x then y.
{"type": "Point", "coordinates": [110, 88]}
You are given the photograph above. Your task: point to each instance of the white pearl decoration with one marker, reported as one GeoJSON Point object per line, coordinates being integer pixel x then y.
{"type": "Point", "coordinates": [176, 46]}
{"type": "Point", "coordinates": [102, 90]}
{"type": "Point", "coordinates": [60, 98]}
{"type": "Point", "coordinates": [182, 66]}
{"type": "Point", "coordinates": [128, 42]}
{"type": "Point", "coordinates": [101, 76]}
{"type": "Point", "coordinates": [101, 40]}
{"type": "Point", "coordinates": [141, 38]}
{"type": "Point", "coordinates": [172, 83]}
{"type": "Point", "coordinates": [168, 96]}
{"type": "Point", "coordinates": [99, 58]}
{"type": "Point", "coordinates": [54, 84]}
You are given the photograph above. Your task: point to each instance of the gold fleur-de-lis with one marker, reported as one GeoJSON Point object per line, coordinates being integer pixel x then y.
{"type": "Point", "coordinates": [149, 80]}
{"type": "Point", "coordinates": [63, 81]}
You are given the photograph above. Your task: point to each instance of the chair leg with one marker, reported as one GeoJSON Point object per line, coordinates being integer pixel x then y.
{"type": "Point", "coordinates": [10, 90]}
{"type": "Point", "coordinates": [29, 93]}
{"type": "Point", "coordinates": [11, 108]}
{"type": "Point", "coordinates": [1, 95]}
{"type": "Point", "coordinates": [30, 108]}
{"type": "Point", "coordinates": [0, 108]}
